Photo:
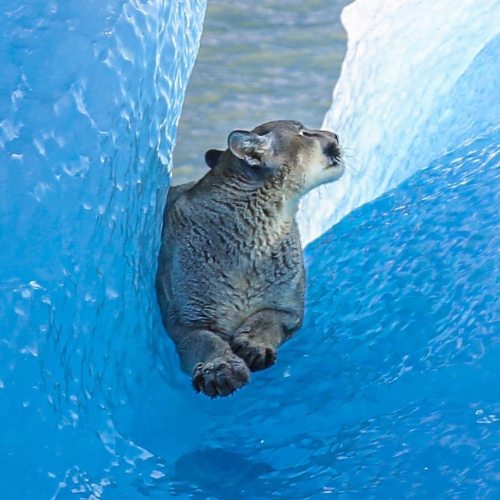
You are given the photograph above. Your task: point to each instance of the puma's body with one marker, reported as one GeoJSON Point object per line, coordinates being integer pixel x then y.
{"type": "Point", "coordinates": [230, 278]}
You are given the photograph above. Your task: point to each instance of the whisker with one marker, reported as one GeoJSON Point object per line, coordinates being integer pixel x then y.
{"type": "Point", "coordinates": [356, 174]}
{"type": "Point", "coordinates": [349, 152]}
{"type": "Point", "coordinates": [350, 155]}
{"type": "Point", "coordinates": [355, 171]}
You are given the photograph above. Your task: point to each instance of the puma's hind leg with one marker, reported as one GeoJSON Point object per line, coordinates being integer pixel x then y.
{"type": "Point", "coordinates": [258, 338]}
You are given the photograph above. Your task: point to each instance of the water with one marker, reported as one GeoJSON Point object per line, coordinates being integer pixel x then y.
{"type": "Point", "coordinates": [258, 62]}
{"type": "Point", "coordinates": [389, 390]}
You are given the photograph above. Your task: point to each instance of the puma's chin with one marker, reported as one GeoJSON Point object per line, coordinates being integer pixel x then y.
{"type": "Point", "coordinates": [335, 168]}
{"type": "Point", "coordinates": [330, 170]}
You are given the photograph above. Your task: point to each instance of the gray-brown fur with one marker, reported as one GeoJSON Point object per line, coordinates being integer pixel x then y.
{"type": "Point", "coordinates": [230, 278]}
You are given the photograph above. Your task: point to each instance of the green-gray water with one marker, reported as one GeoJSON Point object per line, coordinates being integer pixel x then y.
{"type": "Point", "coordinates": [258, 61]}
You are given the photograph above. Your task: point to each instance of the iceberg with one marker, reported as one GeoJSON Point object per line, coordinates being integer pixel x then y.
{"type": "Point", "coordinates": [420, 77]}
{"type": "Point", "coordinates": [90, 97]}
{"type": "Point", "coordinates": [389, 390]}
{"type": "Point", "coordinates": [386, 390]}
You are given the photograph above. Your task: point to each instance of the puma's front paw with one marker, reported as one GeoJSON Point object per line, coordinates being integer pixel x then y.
{"type": "Point", "coordinates": [221, 376]}
{"type": "Point", "coordinates": [257, 355]}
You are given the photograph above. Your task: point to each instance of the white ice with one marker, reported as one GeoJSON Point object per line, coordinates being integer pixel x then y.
{"type": "Point", "coordinates": [420, 77]}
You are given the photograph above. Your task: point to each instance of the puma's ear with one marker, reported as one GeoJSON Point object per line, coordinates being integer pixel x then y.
{"type": "Point", "coordinates": [249, 146]}
{"type": "Point", "coordinates": [212, 157]}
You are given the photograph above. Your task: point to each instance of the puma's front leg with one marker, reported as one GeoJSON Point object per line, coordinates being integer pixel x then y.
{"type": "Point", "coordinates": [215, 369]}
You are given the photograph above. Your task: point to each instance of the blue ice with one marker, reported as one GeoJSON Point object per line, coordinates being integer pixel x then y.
{"type": "Point", "coordinates": [389, 390]}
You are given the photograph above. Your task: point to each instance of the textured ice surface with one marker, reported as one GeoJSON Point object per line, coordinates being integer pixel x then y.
{"type": "Point", "coordinates": [390, 389]}
{"type": "Point", "coordinates": [90, 96]}
{"type": "Point", "coordinates": [419, 78]}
